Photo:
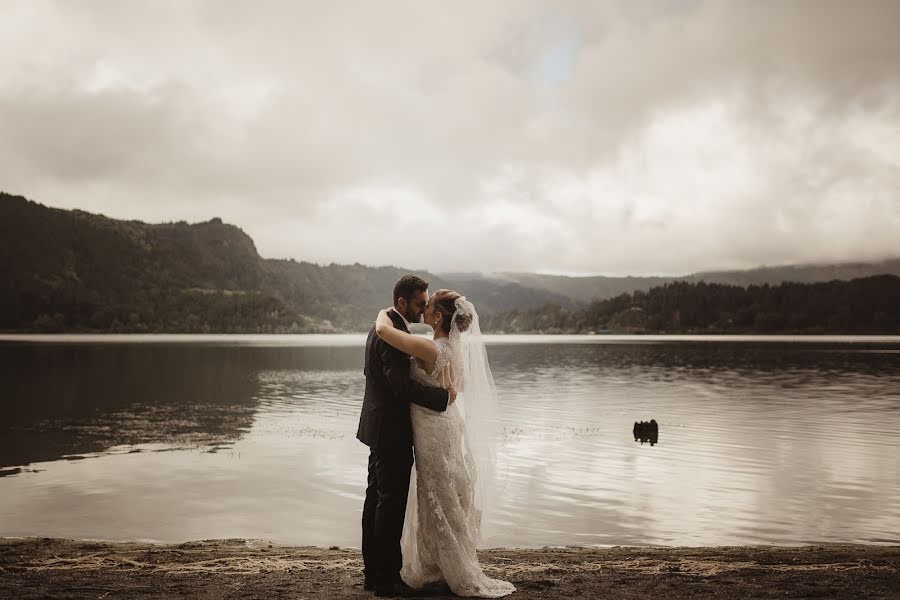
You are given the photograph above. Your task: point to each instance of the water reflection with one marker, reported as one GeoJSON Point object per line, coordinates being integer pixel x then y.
{"type": "Point", "coordinates": [736, 466]}
{"type": "Point", "coordinates": [71, 401]}
{"type": "Point", "coordinates": [764, 442]}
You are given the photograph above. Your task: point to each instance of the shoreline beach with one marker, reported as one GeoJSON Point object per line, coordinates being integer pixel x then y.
{"type": "Point", "coordinates": [237, 568]}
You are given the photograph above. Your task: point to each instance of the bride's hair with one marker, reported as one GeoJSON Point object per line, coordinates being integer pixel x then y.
{"type": "Point", "coordinates": [445, 303]}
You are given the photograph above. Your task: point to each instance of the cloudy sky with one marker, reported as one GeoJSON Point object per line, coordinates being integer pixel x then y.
{"type": "Point", "coordinates": [625, 137]}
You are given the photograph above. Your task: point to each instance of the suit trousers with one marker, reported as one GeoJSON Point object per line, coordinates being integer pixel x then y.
{"type": "Point", "coordinates": [384, 511]}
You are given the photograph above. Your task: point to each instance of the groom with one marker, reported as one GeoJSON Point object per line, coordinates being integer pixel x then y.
{"type": "Point", "coordinates": [385, 427]}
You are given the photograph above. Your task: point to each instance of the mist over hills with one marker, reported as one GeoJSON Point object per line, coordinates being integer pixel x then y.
{"type": "Point", "coordinates": [588, 289]}
{"type": "Point", "coordinates": [75, 271]}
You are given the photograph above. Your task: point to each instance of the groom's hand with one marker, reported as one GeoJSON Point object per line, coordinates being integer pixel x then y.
{"type": "Point", "coordinates": [452, 395]}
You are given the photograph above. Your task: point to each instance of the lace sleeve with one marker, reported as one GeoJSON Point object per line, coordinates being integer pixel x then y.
{"type": "Point", "coordinates": [444, 355]}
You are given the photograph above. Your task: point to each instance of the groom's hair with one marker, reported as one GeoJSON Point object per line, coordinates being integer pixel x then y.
{"type": "Point", "coordinates": [408, 285]}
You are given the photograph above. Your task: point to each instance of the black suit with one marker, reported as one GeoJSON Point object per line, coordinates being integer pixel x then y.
{"type": "Point", "coordinates": [385, 427]}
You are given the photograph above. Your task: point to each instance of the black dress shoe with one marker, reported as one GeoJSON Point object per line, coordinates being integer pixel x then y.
{"type": "Point", "coordinates": [369, 584]}
{"type": "Point", "coordinates": [397, 589]}
{"type": "Point", "coordinates": [438, 589]}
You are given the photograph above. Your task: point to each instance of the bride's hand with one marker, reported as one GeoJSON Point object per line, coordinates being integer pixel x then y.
{"type": "Point", "coordinates": [452, 395]}
{"type": "Point", "coordinates": [383, 320]}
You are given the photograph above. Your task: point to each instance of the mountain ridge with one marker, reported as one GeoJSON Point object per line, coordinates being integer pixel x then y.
{"type": "Point", "coordinates": [72, 270]}
{"type": "Point", "coordinates": [599, 287]}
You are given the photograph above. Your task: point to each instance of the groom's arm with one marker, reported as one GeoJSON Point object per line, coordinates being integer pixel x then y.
{"type": "Point", "coordinates": [395, 366]}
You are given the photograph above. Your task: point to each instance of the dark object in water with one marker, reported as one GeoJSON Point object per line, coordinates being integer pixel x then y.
{"type": "Point", "coordinates": [646, 432]}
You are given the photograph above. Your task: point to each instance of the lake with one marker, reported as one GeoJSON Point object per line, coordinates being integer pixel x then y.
{"type": "Point", "coordinates": [762, 440]}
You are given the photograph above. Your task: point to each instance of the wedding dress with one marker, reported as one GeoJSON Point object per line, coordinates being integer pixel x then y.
{"type": "Point", "coordinates": [444, 510]}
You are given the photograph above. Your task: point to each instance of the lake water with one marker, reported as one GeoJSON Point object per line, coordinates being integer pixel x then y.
{"type": "Point", "coordinates": [762, 440]}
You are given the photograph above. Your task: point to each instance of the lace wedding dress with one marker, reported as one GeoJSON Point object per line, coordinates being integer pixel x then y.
{"type": "Point", "coordinates": [443, 518]}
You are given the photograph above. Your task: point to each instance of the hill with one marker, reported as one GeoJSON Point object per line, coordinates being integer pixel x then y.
{"type": "Point", "coordinates": [588, 289]}
{"type": "Point", "coordinates": [70, 271]}
{"type": "Point", "coordinates": [74, 271]}
{"type": "Point", "coordinates": [869, 305]}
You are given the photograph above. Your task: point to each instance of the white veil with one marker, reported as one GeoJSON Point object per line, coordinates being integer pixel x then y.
{"type": "Point", "coordinates": [477, 401]}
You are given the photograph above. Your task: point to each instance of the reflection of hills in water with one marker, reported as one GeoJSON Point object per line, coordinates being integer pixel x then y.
{"type": "Point", "coordinates": [63, 400]}
{"type": "Point", "coordinates": [67, 400]}
{"type": "Point", "coordinates": [671, 360]}
{"type": "Point", "coordinates": [310, 403]}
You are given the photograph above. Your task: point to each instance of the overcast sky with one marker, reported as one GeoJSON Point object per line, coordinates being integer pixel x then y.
{"type": "Point", "coordinates": [628, 137]}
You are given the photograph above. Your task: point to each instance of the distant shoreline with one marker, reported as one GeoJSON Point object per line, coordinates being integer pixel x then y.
{"type": "Point", "coordinates": [359, 338]}
{"type": "Point", "coordinates": [58, 568]}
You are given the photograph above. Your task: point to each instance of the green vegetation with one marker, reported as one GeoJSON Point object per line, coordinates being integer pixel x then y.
{"type": "Point", "coordinates": [588, 289]}
{"type": "Point", "coordinates": [862, 306]}
{"type": "Point", "coordinates": [73, 271]}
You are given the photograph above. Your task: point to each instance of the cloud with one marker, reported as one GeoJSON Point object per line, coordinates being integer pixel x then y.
{"type": "Point", "coordinates": [620, 137]}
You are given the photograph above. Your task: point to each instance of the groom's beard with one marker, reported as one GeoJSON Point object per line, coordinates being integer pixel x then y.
{"type": "Point", "coordinates": [413, 318]}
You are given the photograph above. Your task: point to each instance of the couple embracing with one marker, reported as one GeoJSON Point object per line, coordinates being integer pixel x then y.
{"type": "Point", "coordinates": [421, 524]}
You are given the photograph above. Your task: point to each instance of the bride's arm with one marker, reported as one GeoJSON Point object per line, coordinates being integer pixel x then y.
{"type": "Point", "coordinates": [405, 342]}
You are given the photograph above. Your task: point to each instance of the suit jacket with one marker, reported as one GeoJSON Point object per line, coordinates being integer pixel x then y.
{"type": "Point", "coordinates": [384, 421]}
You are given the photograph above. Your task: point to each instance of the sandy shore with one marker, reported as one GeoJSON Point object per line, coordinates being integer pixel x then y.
{"type": "Point", "coordinates": [54, 568]}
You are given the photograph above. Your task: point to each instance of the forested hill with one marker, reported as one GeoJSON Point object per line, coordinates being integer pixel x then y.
{"type": "Point", "coordinates": [588, 289]}
{"type": "Point", "coordinates": [869, 305]}
{"type": "Point", "coordinates": [74, 271]}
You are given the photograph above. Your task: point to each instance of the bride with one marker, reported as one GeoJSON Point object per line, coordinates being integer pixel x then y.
{"type": "Point", "coordinates": [453, 461]}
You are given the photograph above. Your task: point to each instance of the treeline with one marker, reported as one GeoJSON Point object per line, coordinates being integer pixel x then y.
{"type": "Point", "coordinates": [185, 311]}
{"type": "Point", "coordinates": [869, 305]}
{"type": "Point", "coordinates": [73, 271]}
